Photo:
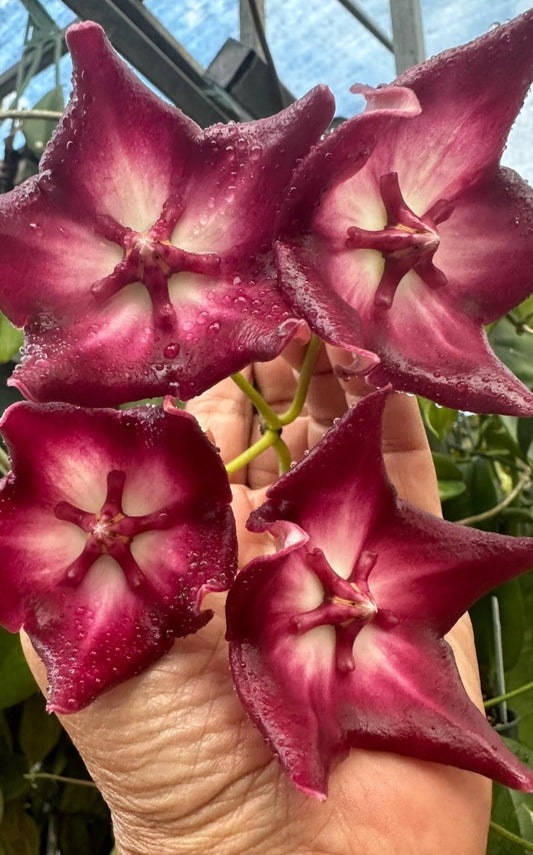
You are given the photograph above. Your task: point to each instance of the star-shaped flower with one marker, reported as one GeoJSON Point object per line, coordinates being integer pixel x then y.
{"type": "Point", "coordinates": [411, 254]}
{"type": "Point", "coordinates": [336, 640]}
{"type": "Point", "coordinates": [113, 526]}
{"type": "Point", "coordinates": [139, 259]}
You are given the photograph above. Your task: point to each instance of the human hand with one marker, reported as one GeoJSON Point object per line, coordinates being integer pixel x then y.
{"type": "Point", "coordinates": [183, 769]}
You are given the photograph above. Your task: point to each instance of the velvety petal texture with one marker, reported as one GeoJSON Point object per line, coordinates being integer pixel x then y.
{"type": "Point", "coordinates": [336, 639]}
{"type": "Point", "coordinates": [429, 239]}
{"type": "Point", "coordinates": [139, 260]}
{"type": "Point", "coordinates": [113, 526]}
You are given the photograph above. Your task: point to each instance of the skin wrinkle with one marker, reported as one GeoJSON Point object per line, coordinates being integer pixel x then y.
{"type": "Point", "coordinates": [208, 762]}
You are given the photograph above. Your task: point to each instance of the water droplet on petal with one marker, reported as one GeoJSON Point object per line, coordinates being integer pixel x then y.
{"type": "Point", "coordinates": [213, 328]}
{"type": "Point", "coordinates": [171, 350]}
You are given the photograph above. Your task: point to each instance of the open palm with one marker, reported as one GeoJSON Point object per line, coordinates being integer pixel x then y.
{"type": "Point", "coordinates": [174, 754]}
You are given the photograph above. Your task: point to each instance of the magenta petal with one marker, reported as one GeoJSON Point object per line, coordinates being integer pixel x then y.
{"type": "Point", "coordinates": [244, 322]}
{"type": "Point", "coordinates": [490, 231]}
{"type": "Point", "coordinates": [278, 675]}
{"type": "Point", "coordinates": [429, 347]}
{"type": "Point", "coordinates": [113, 526]}
{"type": "Point", "coordinates": [140, 260]}
{"type": "Point", "coordinates": [99, 634]}
{"type": "Point", "coordinates": [336, 640]}
{"type": "Point", "coordinates": [406, 695]}
{"type": "Point", "coordinates": [443, 583]}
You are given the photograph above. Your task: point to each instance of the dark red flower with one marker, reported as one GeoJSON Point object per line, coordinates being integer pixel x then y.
{"type": "Point", "coordinates": [139, 259]}
{"type": "Point", "coordinates": [413, 250]}
{"type": "Point", "coordinates": [336, 640]}
{"type": "Point", "coordinates": [113, 526]}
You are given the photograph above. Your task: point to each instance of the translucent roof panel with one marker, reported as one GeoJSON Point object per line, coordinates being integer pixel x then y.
{"type": "Point", "coordinates": [312, 41]}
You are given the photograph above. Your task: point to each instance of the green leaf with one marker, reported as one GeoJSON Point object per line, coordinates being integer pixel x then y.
{"type": "Point", "coordinates": [38, 131]}
{"type": "Point", "coordinates": [439, 420]}
{"type": "Point", "coordinates": [13, 784]}
{"type": "Point", "coordinates": [524, 434]}
{"type": "Point", "coordinates": [512, 810]}
{"type": "Point", "coordinates": [6, 740]}
{"type": "Point", "coordinates": [515, 351]}
{"type": "Point", "coordinates": [512, 621]}
{"type": "Point", "coordinates": [19, 834]}
{"type": "Point", "coordinates": [39, 732]}
{"type": "Point", "coordinates": [16, 680]}
{"type": "Point", "coordinates": [445, 468]}
{"type": "Point", "coordinates": [10, 339]}
{"type": "Point", "coordinates": [483, 492]}
{"type": "Point", "coordinates": [450, 489]}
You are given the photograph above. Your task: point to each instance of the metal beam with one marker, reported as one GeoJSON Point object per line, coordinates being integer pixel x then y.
{"type": "Point", "coordinates": [407, 33]}
{"type": "Point", "coordinates": [247, 28]}
{"type": "Point", "coordinates": [156, 65]}
{"type": "Point", "coordinates": [373, 28]}
{"type": "Point", "coordinates": [8, 79]}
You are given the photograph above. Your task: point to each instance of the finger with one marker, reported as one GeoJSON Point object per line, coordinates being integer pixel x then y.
{"type": "Point", "coordinates": [227, 413]}
{"type": "Point", "coordinates": [405, 447]}
{"type": "Point", "coordinates": [326, 400]}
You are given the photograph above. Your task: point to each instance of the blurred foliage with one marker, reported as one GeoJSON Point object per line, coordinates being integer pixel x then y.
{"type": "Point", "coordinates": [484, 469]}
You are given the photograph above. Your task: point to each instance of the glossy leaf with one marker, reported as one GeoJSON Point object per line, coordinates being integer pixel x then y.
{"type": "Point", "coordinates": [37, 132]}
{"type": "Point", "coordinates": [39, 731]}
{"type": "Point", "coordinates": [16, 680]}
{"type": "Point", "coordinates": [515, 351]}
{"type": "Point", "coordinates": [10, 339]}
{"type": "Point", "coordinates": [19, 834]}
{"type": "Point", "coordinates": [439, 420]}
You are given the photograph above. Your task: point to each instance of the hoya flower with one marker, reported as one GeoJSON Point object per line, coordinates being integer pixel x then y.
{"type": "Point", "coordinates": [336, 640]}
{"type": "Point", "coordinates": [139, 259]}
{"type": "Point", "coordinates": [113, 526]}
{"type": "Point", "coordinates": [410, 255]}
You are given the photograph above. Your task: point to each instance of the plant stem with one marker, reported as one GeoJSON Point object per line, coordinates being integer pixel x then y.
{"type": "Point", "coordinates": [269, 438]}
{"type": "Point", "coordinates": [270, 418]}
{"type": "Point", "coordinates": [29, 114]}
{"type": "Point", "coordinates": [306, 372]}
{"type": "Point", "coordinates": [523, 481]}
{"type": "Point", "coordinates": [31, 776]}
{"type": "Point", "coordinates": [514, 838]}
{"type": "Point", "coordinates": [284, 456]}
{"type": "Point", "coordinates": [492, 702]}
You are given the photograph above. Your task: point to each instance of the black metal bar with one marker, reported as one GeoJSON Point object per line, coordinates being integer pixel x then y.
{"type": "Point", "coordinates": [160, 36]}
{"type": "Point", "coordinates": [247, 27]}
{"type": "Point", "coordinates": [130, 40]}
{"type": "Point", "coordinates": [358, 13]}
{"type": "Point", "coordinates": [8, 78]}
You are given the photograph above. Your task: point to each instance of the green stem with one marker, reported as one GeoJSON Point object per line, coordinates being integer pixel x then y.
{"type": "Point", "coordinates": [306, 372]}
{"type": "Point", "coordinates": [269, 438]}
{"type": "Point", "coordinates": [61, 778]}
{"type": "Point", "coordinates": [493, 702]}
{"type": "Point", "coordinates": [284, 456]}
{"type": "Point", "coordinates": [514, 838]}
{"type": "Point", "coordinates": [4, 462]}
{"type": "Point", "coordinates": [523, 482]}
{"type": "Point", "coordinates": [270, 418]}
{"type": "Point", "coordinates": [272, 421]}
{"type": "Point", "coordinates": [29, 114]}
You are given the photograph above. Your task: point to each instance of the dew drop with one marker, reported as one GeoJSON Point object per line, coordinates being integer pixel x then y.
{"type": "Point", "coordinates": [171, 350]}
{"type": "Point", "coordinates": [213, 328]}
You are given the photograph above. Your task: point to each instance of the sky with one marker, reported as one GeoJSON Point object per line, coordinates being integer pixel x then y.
{"type": "Point", "coordinates": [312, 41]}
